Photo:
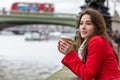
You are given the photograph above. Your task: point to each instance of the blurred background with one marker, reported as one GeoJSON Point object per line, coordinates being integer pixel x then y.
{"type": "Point", "coordinates": [29, 32]}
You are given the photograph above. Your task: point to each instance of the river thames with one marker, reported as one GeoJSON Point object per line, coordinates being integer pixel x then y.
{"type": "Point", "coordinates": [27, 60]}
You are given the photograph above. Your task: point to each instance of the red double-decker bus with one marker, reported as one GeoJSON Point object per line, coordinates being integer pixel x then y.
{"type": "Point", "coordinates": [33, 7]}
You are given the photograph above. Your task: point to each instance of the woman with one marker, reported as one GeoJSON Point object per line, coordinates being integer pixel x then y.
{"type": "Point", "coordinates": [96, 58]}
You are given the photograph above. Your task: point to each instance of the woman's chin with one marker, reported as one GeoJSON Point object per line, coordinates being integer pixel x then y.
{"type": "Point", "coordinates": [84, 36]}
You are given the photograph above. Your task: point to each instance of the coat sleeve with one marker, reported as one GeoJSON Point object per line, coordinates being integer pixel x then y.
{"type": "Point", "coordinates": [89, 69]}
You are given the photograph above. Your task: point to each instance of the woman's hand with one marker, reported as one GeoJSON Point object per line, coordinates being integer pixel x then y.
{"type": "Point", "coordinates": [65, 46]}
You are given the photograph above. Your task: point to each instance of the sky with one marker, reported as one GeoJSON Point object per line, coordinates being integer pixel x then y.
{"type": "Point", "coordinates": [61, 6]}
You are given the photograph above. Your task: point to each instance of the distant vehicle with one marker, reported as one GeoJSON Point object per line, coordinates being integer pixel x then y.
{"type": "Point", "coordinates": [32, 7]}
{"type": "Point", "coordinates": [30, 36]}
{"type": "Point", "coordinates": [34, 36]}
{"type": "Point", "coordinates": [54, 35]}
{"type": "Point", "coordinates": [5, 32]}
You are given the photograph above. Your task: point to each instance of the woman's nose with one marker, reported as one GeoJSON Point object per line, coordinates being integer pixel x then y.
{"type": "Point", "coordinates": [83, 26]}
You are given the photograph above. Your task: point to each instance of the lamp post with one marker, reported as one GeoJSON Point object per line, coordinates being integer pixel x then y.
{"type": "Point", "coordinates": [99, 5]}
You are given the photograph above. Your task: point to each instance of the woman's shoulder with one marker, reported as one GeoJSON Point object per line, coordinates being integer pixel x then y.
{"type": "Point", "coordinates": [97, 38]}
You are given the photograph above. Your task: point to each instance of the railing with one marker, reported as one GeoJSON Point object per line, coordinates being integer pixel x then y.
{"type": "Point", "coordinates": [38, 13]}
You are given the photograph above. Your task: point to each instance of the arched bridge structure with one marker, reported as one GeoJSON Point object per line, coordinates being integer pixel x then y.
{"type": "Point", "coordinates": [10, 19]}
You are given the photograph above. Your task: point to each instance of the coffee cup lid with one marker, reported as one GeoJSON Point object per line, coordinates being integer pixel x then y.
{"type": "Point", "coordinates": [67, 37]}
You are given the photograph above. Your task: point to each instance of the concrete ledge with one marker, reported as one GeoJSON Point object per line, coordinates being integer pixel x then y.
{"type": "Point", "coordinates": [63, 74]}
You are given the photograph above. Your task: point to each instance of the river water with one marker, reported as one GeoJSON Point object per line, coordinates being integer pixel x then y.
{"type": "Point", "coordinates": [27, 60]}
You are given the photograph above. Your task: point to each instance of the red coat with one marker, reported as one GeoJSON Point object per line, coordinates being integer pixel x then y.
{"type": "Point", "coordinates": [101, 63]}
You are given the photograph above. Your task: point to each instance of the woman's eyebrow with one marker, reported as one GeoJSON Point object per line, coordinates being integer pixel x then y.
{"type": "Point", "coordinates": [86, 21]}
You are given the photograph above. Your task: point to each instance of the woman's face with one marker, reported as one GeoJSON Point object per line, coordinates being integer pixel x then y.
{"type": "Point", "coordinates": [86, 26]}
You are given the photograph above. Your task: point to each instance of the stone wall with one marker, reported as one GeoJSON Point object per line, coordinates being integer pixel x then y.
{"type": "Point", "coordinates": [116, 23]}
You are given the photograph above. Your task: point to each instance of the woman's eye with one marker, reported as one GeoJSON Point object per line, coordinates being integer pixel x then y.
{"type": "Point", "coordinates": [88, 23]}
{"type": "Point", "coordinates": [81, 23]}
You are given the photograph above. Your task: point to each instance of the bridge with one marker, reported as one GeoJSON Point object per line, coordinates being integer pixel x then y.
{"type": "Point", "coordinates": [8, 19]}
